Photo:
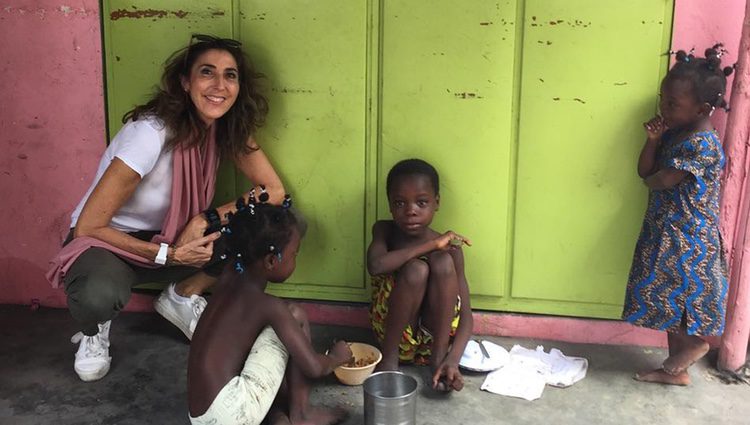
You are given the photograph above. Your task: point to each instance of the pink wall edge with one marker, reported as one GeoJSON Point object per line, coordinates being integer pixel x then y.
{"type": "Point", "coordinates": [45, 176]}
{"type": "Point", "coordinates": [51, 134]}
{"type": "Point", "coordinates": [735, 211]}
{"type": "Point", "coordinates": [568, 329]}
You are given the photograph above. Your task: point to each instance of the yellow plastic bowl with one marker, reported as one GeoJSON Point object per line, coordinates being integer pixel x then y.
{"type": "Point", "coordinates": [357, 375]}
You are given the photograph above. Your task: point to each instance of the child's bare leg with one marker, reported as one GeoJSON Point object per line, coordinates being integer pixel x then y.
{"type": "Point", "coordinates": [442, 292]}
{"type": "Point", "coordinates": [403, 308]}
{"type": "Point", "coordinates": [684, 350]}
{"type": "Point", "coordinates": [298, 387]}
{"type": "Point", "coordinates": [675, 345]}
{"type": "Point", "coordinates": [690, 349]}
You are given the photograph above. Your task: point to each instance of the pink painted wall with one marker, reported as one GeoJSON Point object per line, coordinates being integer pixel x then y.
{"type": "Point", "coordinates": [51, 134]}
{"type": "Point", "coordinates": [702, 23]}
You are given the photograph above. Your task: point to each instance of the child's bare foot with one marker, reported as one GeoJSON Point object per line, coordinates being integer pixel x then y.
{"type": "Point", "coordinates": [682, 360]}
{"type": "Point", "coordinates": [320, 415]}
{"type": "Point", "coordinates": [660, 376]}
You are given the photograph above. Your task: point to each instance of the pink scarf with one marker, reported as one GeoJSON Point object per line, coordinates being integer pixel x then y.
{"type": "Point", "coordinates": [193, 179]}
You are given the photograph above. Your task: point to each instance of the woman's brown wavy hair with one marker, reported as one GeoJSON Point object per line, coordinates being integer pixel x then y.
{"type": "Point", "coordinates": [172, 104]}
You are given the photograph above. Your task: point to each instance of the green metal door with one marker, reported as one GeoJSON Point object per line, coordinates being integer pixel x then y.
{"type": "Point", "coordinates": [590, 77]}
{"type": "Point", "coordinates": [529, 109]}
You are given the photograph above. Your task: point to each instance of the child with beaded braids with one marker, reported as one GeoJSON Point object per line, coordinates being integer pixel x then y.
{"type": "Point", "coordinates": [678, 279]}
{"type": "Point", "coordinates": [239, 352]}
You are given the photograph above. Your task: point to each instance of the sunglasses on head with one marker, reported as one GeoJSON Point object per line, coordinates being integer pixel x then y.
{"type": "Point", "coordinates": [217, 42]}
{"type": "Point", "coordinates": [204, 38]}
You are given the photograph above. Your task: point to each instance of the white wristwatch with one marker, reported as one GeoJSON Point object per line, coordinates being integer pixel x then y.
{"type": "Point", "coordinates": [161, 256]}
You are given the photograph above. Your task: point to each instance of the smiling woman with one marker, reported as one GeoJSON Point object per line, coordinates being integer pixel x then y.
{"type": "Point", "coordinates": [146, 216]}
{"type": "Point", "coordinates": [213, 84]}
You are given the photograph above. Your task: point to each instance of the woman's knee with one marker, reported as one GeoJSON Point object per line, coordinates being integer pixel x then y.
{"type": "Point", "coordinates": [99, 281]}
{"type": "Point", "coordinates": [97, 293]}
{"type": "Point", "coordinates": [414, 273]}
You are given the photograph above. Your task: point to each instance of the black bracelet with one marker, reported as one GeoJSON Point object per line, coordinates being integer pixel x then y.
{"type": "Point", "coordinates": [213, 219]}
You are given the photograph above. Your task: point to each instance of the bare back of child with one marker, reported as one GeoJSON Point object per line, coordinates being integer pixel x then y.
{"type": "Point", "coordinates": [237, 370]}
{"type": "Point", "coordinates": [420, 310]}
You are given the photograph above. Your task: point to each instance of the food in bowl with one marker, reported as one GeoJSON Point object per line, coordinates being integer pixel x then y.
{"type": "Point", "coordinates": [356, 370]}
{"type": "Point", "coordinates": [362, 362]}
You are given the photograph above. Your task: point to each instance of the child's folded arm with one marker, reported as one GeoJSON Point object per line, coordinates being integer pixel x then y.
{"type": "Point", "coordinates": [665, 179]}
{"type": "Point", "coordinates": [647, 161]}
{"type": "Point", "coordinates": [656, 130]}
{"type": "Point", "coordinates": [381, 261]}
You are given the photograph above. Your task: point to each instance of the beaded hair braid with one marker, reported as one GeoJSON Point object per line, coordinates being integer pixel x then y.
{"type": "Point", "coordinates": [708, 78]}
{"type": "Point", "coordinates": [257, 229]}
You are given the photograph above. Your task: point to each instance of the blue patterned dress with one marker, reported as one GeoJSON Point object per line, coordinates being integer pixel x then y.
{"type": "Point", "coordinates": [678, 266]}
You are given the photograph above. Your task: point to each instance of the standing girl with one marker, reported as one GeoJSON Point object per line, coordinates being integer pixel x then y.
{"type": "Point", "coordinates": [678, 278]}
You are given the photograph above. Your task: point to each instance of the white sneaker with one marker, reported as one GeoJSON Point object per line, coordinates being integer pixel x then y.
{"type": "Point", "coordinates": [92, 358]}
{"type": "Point", "coordinates": [182, 312]}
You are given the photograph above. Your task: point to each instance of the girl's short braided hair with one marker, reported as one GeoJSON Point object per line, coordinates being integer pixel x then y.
{"type": "Point", "coordinates": [708, 78]}
{"type": "Point", "coordinates": [256, 230]}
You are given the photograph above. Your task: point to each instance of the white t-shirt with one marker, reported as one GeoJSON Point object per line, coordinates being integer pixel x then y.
{"type": "Point", "coordinates": [140, 145]}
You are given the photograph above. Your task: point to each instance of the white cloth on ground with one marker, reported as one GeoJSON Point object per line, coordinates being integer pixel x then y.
{"type": "Point", "coordinates": [528, 371]}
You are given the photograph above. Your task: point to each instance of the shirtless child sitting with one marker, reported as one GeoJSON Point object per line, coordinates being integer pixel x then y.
{"type": "Point", "coordinates": [420, 308]}
{"type": "Point", "coordinates": [237, 371]}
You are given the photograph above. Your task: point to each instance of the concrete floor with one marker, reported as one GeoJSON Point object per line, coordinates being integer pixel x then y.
{"type": "Point", "coordinates": [147, 382]}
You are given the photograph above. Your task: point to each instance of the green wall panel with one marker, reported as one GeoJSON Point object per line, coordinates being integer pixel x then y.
{"type": "Point", "coordinates": [529, 109]}
{"type": "Point", "coordinates": [447, 97]}
{"type": "Point", "coordinates": [591, 72]}
{"type": "Point", "coordinates": [315, 55]}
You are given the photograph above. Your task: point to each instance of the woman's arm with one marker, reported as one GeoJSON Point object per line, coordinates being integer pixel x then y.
{"type": "Point", "coordinates": [116, 186]}
{"type": "Point", "coordinates": [258, 169]}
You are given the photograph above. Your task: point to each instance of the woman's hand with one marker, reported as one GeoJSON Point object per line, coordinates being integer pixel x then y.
{"type": "Point", "coordinates": [195, 253]}
{"type": "Point", "coordinates": [450, 239]}
{"type": "Point", "coordinates": [340, 353]}
{"type": "Point", "coordinates": [655, 129]}
{"type": "Point", "coordinates": [194, 229]}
